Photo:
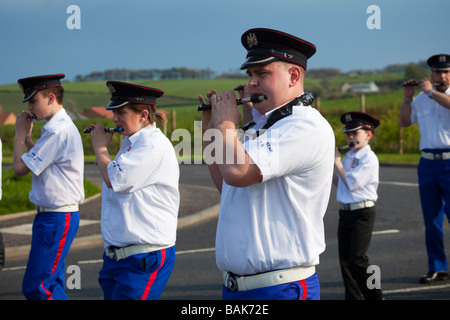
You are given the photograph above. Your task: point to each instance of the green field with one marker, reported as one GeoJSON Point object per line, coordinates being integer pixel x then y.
{"type": "Point", "coordinates": [180, 101]}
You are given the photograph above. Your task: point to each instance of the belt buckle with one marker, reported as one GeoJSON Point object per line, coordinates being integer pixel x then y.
{"type": "Point", "coordinates": [112, 254]}
{"type": "Point", "coordinates": [230, 282]}
{"type": "Point", "coordinates": [437, 156]}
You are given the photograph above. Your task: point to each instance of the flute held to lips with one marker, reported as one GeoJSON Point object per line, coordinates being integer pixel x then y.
{"type": "Point", "coordinates": [417, 83]}
{"type": "Point", "coordinates": [348, 146]}
{"type": "Point", "coordinates": [238, 101]}
{"type": "Point", "coordinates": [31, 116]}
{"type": "Point", "coordinates": [87, 130]}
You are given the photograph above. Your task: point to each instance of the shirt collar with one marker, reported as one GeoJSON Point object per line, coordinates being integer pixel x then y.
{"type": "Point", "coordinates": [132, 139]}
{"type": "Point", "coordinates": [361, 152]}
{"type": "Point", "coordinates": [61, 114]}
{"type": "Point", "coordinates": [258, 117]}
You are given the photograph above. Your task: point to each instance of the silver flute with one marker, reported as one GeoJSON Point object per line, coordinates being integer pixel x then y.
{"type": "Point", "coordinates": [238, 101]}
{"type": "Point", "coordinates": [417, 83]}
{"type": "Point", "coordinates": [348, 146]}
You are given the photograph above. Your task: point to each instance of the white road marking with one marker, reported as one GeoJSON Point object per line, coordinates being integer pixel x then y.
{"type": "Point", "coordinates": [386, 231]}
{"type": "Point", "coordinates": [402, 184]}
{"type": "Point", "coordinates": [416, 289]}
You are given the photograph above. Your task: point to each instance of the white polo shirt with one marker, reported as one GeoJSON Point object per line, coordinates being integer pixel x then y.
{"type": "Point", "coordinates": [278, 223]}
{"type": "Point", "coordinates": [433, 121]}
{"type": "Point", "coordinates": [57, 163]}
{"type": "Point", "coordinates": [362, 176]}
{"type": "Point", "coordinates": [142, 205]}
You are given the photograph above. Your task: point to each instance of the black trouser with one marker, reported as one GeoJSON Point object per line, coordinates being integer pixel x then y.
{"type": "Point", "coordinates": [354, 235]}
{"type": "Point", "coordinates": [2, 252]}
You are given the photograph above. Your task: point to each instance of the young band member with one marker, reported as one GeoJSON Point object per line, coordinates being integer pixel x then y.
{"type": "Point", "coordinates": [56, 161]}
{"type": "Point", "coordinates": [356, 179]}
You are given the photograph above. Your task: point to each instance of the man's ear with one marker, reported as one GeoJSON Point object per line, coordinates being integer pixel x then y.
{"type": "Point", "coordinates": [51, 98]}
{"type": "Point", "coordinates": [295, 74]}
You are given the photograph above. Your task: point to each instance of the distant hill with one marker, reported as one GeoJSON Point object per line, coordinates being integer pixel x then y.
{"type": "Point", "coordinates": [183, 85]}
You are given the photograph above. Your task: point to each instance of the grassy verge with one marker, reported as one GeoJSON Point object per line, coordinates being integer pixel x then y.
{"type": "Point", "coordinates": [15, 192]}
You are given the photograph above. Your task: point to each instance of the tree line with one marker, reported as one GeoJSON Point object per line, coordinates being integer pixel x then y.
{"type": "Point", "coordinates": [147, 74]}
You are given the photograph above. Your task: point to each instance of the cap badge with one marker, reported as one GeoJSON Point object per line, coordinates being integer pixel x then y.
{"type": "Point", "coordinates": [442, 59]}
{"type": "Point", "coordinates": [348, 117]}
{"type": "Point", "coordinates": [252, 40]}
{"type": "Point", "coordinates": [111, 88]}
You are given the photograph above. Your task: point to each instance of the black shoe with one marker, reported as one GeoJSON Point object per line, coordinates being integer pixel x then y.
{"type": "Point", "coordinates": [434, 276]}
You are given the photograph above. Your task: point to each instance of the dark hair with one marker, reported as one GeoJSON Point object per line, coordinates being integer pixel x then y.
{"type": "Point", "coordinates": [152, 112]}
{"type": "Point", "coordinates": [57, 91]}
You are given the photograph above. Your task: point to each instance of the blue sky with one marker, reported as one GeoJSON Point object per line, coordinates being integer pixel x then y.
{"type": "Point", "coordinates": [147, 34]}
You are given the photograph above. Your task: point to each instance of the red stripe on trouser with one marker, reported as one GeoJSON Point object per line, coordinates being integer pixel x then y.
{"type": "Point", "coordinates": [153, 276]}
{"type": "Point", "coordinates": [48, 293]}
{"type": "Point", "coordinates": [305, 289]}
{"type": "Point", "coordinates": [58, 253]}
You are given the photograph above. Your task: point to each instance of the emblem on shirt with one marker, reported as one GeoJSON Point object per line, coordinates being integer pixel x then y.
{"type": "Point", "coordinates": [117, 165]}
{"type": "Point", "coordinates": [252, 40]}
{"type": "Point", "coordinates": [355, 163]}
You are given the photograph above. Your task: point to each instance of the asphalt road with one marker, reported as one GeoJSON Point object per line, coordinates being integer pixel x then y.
{"type": "Point", "coordinates": [397, 249]}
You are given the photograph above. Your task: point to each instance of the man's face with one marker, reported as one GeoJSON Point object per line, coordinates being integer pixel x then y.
{"type": "Point", "coordinates": [272, 80]}
{"type": "Point", "coordinates": [442, 76]}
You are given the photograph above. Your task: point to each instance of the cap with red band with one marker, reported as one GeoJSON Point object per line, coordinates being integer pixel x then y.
{"type": "Point", "coordinates": [359, 120]}
{"type": "Point", "coordinates": [266, 45]}
{"type": "Point", "coordinates": [32, 85]}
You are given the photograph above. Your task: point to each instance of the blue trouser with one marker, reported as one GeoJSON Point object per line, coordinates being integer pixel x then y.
{"type": "Point", "coordinates": [53, 233]}
{"type": "Point", "coordinates": [307, 289]}
{"type": "Point", "coordinates": [138, 277]}
{"type": "Point", "coordinates": [434, 187]}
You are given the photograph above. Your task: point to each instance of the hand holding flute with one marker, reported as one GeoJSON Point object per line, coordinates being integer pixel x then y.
{"type": "Point", "coordinates": [415, 83]}
{"type": "Point", "coordinates": [238, 101]}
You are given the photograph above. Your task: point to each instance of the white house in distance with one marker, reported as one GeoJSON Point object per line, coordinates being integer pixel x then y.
{"type": "Point", "coordinates": [367, 87]}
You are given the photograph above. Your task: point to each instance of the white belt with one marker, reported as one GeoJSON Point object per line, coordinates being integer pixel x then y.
{"type": "Point", "coordinates": [272, 278]}
{"type": "Point", "coordinates": [69, 208]}
{"type": "Point", "coordinates": [122, 253]}
{"type": "Point", "coordinates": [436, 156]}
{"type": "Point", "coordinates": [357, 205]}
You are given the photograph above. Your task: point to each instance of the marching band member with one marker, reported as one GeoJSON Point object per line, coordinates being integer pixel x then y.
{"type": "Point", "coordinates": [431, 111]}
{"type": "Point", "coordinates": [270, 231]}
{"type": "Point", "coordinates": [356, 179]}
{"type": "Point", "coordinates": [140, 197]}
{"type": "Point", "coordinates": [57, 163]}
